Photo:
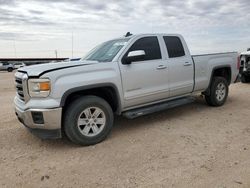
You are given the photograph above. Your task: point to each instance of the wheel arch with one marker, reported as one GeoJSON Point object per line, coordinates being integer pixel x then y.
{"type": "Point", "coordinates": [107, 91]}
{"type": "Point", "coordinates": [224, 71]}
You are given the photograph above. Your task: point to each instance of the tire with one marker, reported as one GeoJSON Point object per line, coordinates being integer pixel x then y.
{"type": "Point", "coordinates": [218, 92]}
{"type": "Point", "coordinates": [9, 69]}
{"type": "Point", "coordinates": [245, 79]}
{"type": "Point", "coordinates": [80, 124]}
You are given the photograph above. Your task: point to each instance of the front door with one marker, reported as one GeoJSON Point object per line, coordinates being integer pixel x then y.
{"type": "Point", "coordinates": [146, 80]}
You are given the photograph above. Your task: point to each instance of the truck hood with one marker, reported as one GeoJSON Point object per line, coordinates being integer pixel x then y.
{"type": "Point", "coordinates": [38, 70]}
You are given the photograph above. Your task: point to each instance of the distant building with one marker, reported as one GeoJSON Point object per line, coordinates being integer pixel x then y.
{"type": "Point", "coordinates": [31, 61]}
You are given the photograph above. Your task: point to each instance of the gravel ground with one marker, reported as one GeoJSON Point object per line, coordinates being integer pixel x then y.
{"type": "Point", "coordinates": [189, 146]}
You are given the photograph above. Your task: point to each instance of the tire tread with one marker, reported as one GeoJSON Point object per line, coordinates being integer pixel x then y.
{"type": "Point", "coordinates": [70, 116]}
{"type": "Point", "coordinates": [211, 99]}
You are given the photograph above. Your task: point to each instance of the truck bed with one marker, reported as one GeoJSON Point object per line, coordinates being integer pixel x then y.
{"type": "Point", "coordinates": [204, 65]}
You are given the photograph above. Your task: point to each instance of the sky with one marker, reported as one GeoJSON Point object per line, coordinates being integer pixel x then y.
{"type": "Point", "coordinates": [42, 28]}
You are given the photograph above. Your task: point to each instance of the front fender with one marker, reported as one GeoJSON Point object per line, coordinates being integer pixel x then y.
{"type": "Point", "coordinates": [94, 86]}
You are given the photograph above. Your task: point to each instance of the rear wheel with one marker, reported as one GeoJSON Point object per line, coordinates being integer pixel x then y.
{"type": "Point", "coordinates": [218, 92]}
{"type": "Point", "coordinates": [88, 120]}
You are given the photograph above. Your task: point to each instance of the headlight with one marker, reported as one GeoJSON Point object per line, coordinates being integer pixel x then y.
{"type": "Point", "coordinates": [39, 87]}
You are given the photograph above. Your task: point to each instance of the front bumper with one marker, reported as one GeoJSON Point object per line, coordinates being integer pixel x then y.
{"type": "Point", "coordinates": [44, 123]}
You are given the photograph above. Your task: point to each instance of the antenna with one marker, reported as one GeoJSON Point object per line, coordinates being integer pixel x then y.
{"type": "Point", "coordinates": [128, 34]}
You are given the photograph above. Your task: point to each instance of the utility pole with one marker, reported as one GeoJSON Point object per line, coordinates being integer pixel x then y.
{"type": "Point", "coordinates": [56, 53]}
{"type": "Point", "coordinates": [14, 45]}
{"type": "Point", "coordinates": [72, 45]}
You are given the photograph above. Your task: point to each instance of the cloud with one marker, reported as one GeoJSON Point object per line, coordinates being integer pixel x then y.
{"type": "Point", "coordinates": [36, 12]}
{"type": "Point", "coordinates": [11, 17]}
{"type": "Point", "coordinates": [7, 2]}
{"type": "Point", "coordinates": [200, 21]}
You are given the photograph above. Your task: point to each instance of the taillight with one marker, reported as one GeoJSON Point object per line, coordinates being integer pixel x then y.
{"type": "Point", "coordinates": [238, 62]}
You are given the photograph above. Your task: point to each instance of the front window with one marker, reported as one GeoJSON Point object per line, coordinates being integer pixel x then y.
{"type": "Point", "coordinates": [148, 44]}
{"type": "Point", "coordinates": [106, 51]}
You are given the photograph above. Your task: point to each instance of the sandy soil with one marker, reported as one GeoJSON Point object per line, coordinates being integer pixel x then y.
{"type": "Point", "coordinates": [190, 146]}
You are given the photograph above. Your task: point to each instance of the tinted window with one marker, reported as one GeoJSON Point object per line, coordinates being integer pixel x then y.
{"type": "Point", "coordinates": [150, 45]}
{"type": "Point", "coordinates": [174, 46]}
{"type": "Point", "coordinates": [5, 63]}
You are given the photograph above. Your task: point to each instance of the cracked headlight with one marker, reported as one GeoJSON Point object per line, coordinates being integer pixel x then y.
{"type": "Point", "coordinates": [39, 87]}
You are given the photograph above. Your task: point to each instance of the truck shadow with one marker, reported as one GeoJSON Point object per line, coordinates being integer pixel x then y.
{"type": "Point", "coordinates": [123, 124]}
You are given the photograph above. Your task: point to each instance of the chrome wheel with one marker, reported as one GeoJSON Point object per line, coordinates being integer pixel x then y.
{"type": "Point", "coordinates": [220, 92]}
{"type": "Point", "coordinates": [91, 121]}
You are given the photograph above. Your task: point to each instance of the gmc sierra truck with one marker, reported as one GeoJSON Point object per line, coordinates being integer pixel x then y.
{"type": "Point", "coordinates": [130, 76]}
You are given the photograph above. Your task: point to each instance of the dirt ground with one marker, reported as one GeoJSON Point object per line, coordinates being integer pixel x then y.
{"type": "Point", "coordinates": [189, 146]}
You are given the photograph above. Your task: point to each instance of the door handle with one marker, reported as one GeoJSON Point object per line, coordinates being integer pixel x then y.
{"type": "Point", "coordinates": [187, 64]}
{"type": "Point", "coordinates": [161, 67]}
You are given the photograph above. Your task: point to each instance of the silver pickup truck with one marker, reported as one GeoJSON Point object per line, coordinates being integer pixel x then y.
{"type": "Point", "coordinates": [130, 76]}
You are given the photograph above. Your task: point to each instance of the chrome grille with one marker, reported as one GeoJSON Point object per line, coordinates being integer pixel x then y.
{"type": "Point", "coordinates": [19, 88]}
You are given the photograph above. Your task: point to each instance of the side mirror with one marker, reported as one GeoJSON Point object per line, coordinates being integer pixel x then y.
{"type": "Point", "coordinates": [137, 55]}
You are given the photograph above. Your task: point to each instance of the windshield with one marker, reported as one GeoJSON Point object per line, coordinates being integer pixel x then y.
{"type": "Point", "coordinates": [106, 51]}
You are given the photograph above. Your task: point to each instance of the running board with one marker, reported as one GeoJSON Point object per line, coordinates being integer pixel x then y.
{"type": "Point", "coordinates": [131, 114]}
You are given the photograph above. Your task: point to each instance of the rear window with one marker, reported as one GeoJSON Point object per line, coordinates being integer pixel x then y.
{"type": "Point", "coordinates": [174, 46]}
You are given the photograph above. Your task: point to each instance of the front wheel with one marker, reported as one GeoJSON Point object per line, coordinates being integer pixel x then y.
{"type": "Point", "coordinates": [88, 120]}
{"type": "Point", "coordinates": [218, 92]}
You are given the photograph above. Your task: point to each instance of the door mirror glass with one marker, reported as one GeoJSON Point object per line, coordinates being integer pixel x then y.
{"type": "Point", "coordinates": [137, 55]}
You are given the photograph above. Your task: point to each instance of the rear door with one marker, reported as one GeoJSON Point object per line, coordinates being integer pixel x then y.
{"type": "Point", "coordinates": [181, 67]}
{"type": "Point", "coordinates": [145, 81]}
